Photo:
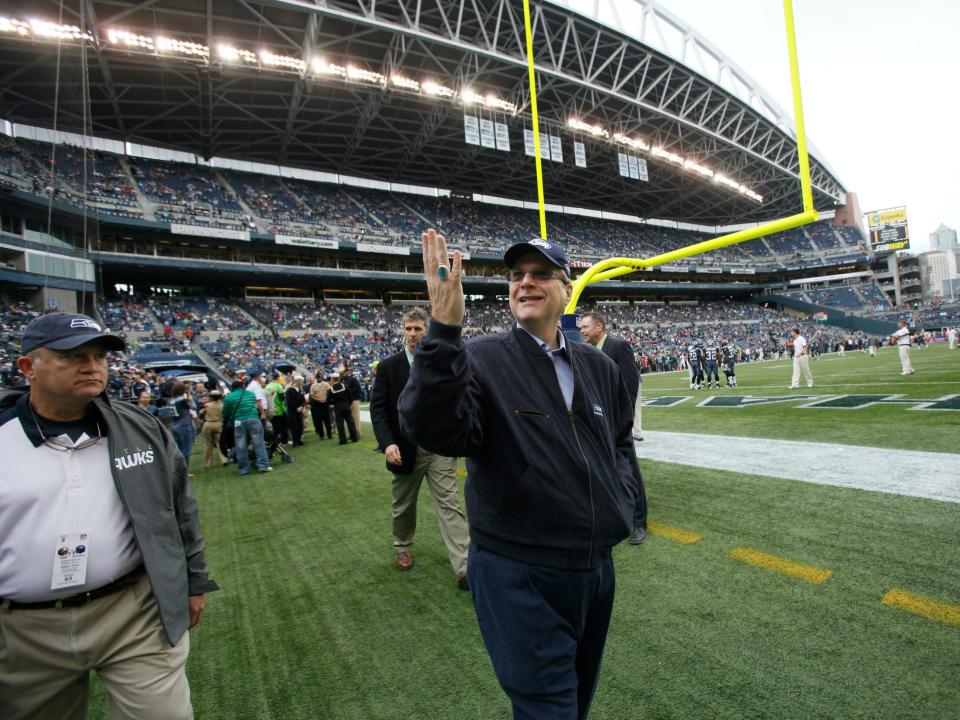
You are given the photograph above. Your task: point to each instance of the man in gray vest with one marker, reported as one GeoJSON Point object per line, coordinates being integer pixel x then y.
{"type": "Point", "coordinates": [103, 564]}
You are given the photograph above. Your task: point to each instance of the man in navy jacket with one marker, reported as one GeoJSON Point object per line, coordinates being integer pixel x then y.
{"type": "Point", "coordinates": [593, 328]}
{"type": "Point", "coordinates": [545, 425]}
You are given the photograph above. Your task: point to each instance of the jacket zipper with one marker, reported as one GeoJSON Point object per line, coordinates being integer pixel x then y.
{"type": "Point", "coordinates": [593, 507]}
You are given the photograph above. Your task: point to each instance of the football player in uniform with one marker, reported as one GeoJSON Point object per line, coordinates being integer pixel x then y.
{"type": "Point", "coordinates": [711, 354]}
{"type": "Point", "coordinates": [729, 361]}
{"type": "Point", "coordinates": [694, 355]}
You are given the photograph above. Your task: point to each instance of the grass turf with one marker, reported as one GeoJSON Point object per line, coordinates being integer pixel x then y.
{"type": "Point", "coordinates": [894, 426]}
{"type": "Point", "coordinates": [314, 622]}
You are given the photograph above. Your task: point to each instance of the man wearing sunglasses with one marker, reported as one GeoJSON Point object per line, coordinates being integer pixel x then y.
{"type": "Point", "coordinates": [101, 553]}
{"type": "Point", "coordinates": [545, 425]}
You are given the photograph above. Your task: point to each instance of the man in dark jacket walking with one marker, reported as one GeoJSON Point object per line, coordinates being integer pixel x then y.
{"type": "Point", "coordinates": [593, 328]}
{"type": "Point", "coordinates": [294, 401]}
{"type": "Point", "coordinates": [340, 397]}
{"type": "Point", "coordinates": [410, 464]}
{"type": "Point", "coordinates": [545, 426]}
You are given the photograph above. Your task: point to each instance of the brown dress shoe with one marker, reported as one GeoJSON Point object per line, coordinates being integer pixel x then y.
{"type": "Point", "coordinates": [404, 560]}
{"type": "Point", "coordinates": [462, 583]}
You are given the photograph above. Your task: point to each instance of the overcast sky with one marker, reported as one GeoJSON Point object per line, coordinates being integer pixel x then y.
{"type": "Point", "coordinates": [881, 90]}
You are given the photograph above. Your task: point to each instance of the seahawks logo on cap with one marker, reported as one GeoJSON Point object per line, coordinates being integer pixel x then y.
{"type": "Point", "coordinates": [541, 243]}
{"type": "Point", "coordinates": [84, 322]}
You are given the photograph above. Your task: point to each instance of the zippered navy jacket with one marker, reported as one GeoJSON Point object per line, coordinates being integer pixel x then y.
{"type": "Point", "coordinates": [545, 485]}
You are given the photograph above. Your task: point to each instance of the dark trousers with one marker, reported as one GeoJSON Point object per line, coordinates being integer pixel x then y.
{"type": "Point", "coordinates": [713, 371]}
{"type": "Point", "coordinates": [697, 372]}
{"type": "Point", "coordinates": [544, 630]}
{"type": "Point", "coordinates": [279, 425]}
{"type": "Point", "coordinates": [640, 504]}
{"type": "Point", "coordinates": [295, 425]}
{"type": "Point", "coordinates": [345, 424]}
{"type": "Point", "coordinates": [320, 412]}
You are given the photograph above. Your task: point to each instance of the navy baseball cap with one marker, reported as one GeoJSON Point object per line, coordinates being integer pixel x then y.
{"type": "Point", "coordinates": [551, 251]}
{"type": "Point", "coordinates": [65, 331]}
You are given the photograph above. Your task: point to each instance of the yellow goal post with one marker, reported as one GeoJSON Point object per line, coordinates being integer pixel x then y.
{"type": "Point", "coordinates": [616, 266]}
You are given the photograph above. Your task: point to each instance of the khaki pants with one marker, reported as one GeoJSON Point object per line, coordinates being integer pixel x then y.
{"type": "Point", "coordinates": [211, 443]}
{"type": "Point", "coordinates": [441, 474]}
{"type": "Point", "coordinates": [905, 358]}
{"type": "Point", "coordinates": [355, 411]}
{"type": "Point", "coordinates": [801, 364]}
{"type": "Point", "coordinates": [46, 657]}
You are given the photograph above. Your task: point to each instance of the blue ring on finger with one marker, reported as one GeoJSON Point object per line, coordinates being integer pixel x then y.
{"type": "Point", "coordinates": [442, 272]}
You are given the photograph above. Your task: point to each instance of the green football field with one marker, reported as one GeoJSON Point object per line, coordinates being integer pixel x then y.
{"type": "Point", "coordinates": [754, 596]}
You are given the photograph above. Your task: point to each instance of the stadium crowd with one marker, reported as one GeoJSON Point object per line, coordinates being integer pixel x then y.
{"type": "Point", "coordinates": [239, 337]}
{"type": "Point", "coordinates": [197, 195]}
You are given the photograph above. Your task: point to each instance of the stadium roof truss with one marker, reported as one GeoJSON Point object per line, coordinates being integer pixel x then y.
{"type": "Point", "coordinates": [589, 67]}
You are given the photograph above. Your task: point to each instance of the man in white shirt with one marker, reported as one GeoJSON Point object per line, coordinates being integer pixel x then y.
{"type": "Point", "coordinates": [256, 387]}
{"type": "Point", "coordinates": [952, 338]}
{"type": "Point", "coordinates": [801, 360]}
{"type": "Point", "coordinates": [102, 565]}
{"type": "Point", "coordinates": [902, 338]}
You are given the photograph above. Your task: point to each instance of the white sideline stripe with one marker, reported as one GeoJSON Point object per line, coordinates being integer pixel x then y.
{"type": "Point", "coordinates": [887, 470]}
{"type": "Point", "coordinates": [897, 472]}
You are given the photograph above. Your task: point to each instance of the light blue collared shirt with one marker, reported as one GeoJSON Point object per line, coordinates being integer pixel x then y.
{"type": "Point", "coordinates": [561, 364]}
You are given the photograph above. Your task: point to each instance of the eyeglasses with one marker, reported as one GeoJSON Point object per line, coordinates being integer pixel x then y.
{"type": "Point", "coordinates": [56, 444]}
{"type": "Point", "coordinates": [538, 274]}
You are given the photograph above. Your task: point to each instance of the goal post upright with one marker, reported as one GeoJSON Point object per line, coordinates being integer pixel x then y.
{"type": "Point", "coordinates": [615, 267]}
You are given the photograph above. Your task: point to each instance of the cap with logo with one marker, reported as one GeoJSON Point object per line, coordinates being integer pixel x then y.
{"type": "Point", "coordinates": [65, 331]}
{"type": "Point", "coordinates": [551, 251]}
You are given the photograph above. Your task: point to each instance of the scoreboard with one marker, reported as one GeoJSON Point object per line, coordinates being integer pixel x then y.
{"type": "Point", "coordinates": [888, 229]}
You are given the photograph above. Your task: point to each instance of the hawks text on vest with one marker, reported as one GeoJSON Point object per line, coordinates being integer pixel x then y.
{"type": "Point", "coordinates": [132, 460]}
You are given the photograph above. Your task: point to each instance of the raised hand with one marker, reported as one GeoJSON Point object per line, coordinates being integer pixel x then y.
{"type": "Point", "coordinates": [443, 279]}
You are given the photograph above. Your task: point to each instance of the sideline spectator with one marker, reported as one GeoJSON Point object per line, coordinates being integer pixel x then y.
{"type": "Point", "coordinates": [184, 427]}
{"type": "Point", "coordinates": [410, 464]}
{"type": "Point", "coordinates": [593, 329]}
{"type": "Point", "coordinates": [341, 408]}
{"type": "Point", "coordinates": [212, 428]}
{"type": "Point", "coordinates": [241, 408]}
{"type": "Point", "coordinates": [353, 387]}
{"type": "Point", "coordinates": [293, 400]}
{"type": "Point", "coordinates": [130, 580]}
{"type": "Point", "coordinates": [902, 339]}
{"type": "Point", "coordinates": [277, 408]}
{"type": "Point", "coordinates": [320, 407]}
{"type": "Point", "coordinates": [145, 403]}
{"type": "Point", "coordinates": [801, 360]}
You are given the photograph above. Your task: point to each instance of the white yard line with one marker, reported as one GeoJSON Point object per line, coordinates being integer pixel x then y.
{"type": "Point", "coordinates": [935, 476]}
{"type": "Point", "coordinates": [888, 386]}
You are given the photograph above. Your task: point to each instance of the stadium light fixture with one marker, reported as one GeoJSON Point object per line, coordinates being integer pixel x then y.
{"type": "Point", "coordinates": [404, 83]}
{"type": "Point", "coordinates": [663, 154]}
{"type": "Point", "coordinates": [495, 103]}
{"type": "Point", "coordinates": [229, 53]}
{"type": "Point", "coordinates": [53, 31]}
{"type": "Point", "coordinates": [436, 89]}
{"type": "Point", "coordinates": [697, 168]}
{"type": "Point", "coordinates": [42, 29]}
{"type": "Point", "coordinates": [288, 62]}
{"type": "Point", "coordinates": [594, 130]}
{"type": "Point", "coordinates": [322, 67]}
{"type": "Point", "coordinates": [631, 142]}
{"type": "Point", "coordinates": [128, 39]}
{"type": "Point", "coordinates": [470, 97]}
{"type": "Point", "coordinates": [172, 46]}
{"type": "Point", "coordinates": [359, 74]}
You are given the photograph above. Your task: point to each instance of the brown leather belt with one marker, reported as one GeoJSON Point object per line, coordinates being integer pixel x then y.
{"type": "Point", "coordinates": [80, 599]}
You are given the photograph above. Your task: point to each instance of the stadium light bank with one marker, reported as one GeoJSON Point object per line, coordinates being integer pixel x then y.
{"type": "Point", "coordinates": [229, 54]}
